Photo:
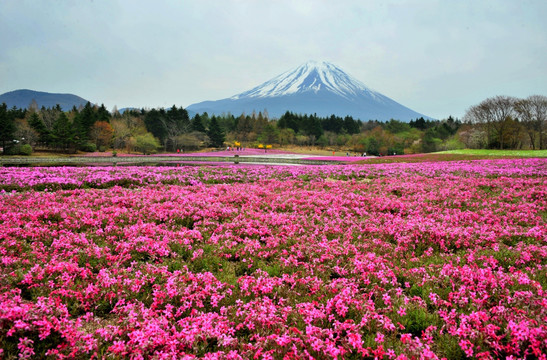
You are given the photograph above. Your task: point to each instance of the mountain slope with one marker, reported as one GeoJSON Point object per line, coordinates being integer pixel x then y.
{"type": "Point", "coordinates": [314, 87]}
{"type": "Point", "coordinates": [23, 98]}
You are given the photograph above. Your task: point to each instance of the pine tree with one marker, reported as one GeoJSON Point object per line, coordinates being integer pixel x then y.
{"type": "Point", "coordinates": [197, 124]}
{"type": "Point", "coordinates": [7, 126]}
{"type": "Point", "coordinates": [37, 124]}
{"type": "Point", "coordinates": [155, 121]}
{"type": "Point", "coordinates": [215, 133]}
{"type": "Point", "coordinates": [63, 133]}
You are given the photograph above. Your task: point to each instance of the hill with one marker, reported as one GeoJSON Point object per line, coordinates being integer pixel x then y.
{"type": "Point", "coordinates": [23, 98]}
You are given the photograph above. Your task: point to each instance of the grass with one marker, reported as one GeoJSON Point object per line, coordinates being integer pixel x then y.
{"type": "Point", "coordinates": [456, 155]}
{"type": "Point", "coordinates": [492, 152]}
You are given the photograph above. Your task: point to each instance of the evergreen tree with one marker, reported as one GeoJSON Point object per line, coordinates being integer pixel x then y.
{"type": "Point", "coordinates": [7, 126]}
{"type": "Point", "coordinates": [87, 117]}
{"type": "Point", "coordinates": [244, 126]}
{"type": "Point", "coordinates": [179, 118]}
{"type": "Point", "coordinates": [333, 124]}
{"type": "Point", "coordinates": [352, 126]}
{"type": "Point", "coordinates": [312, 126]}
{"type": "Point", "coordinates": [37, 124]}
{"type": "Point", "coordinates": [63, 134]}
{"type": "Point", "coordinates": [102, 114]}
{"type": "Point", "coordinates": [215, 133]}
{"type": "Point", "coordinates": [288, 120]}
{"type": "Point", "coordinates": [430, 142]}
{"type": "Point", "coordinates": [269, 135]}
{"type": "Point", "coordinates": [197, 124]}
{"type": "Point", "coordinates": [155, 121]}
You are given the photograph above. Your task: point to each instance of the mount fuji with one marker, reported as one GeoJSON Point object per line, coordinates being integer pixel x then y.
{"type": "Point", "coordinates": [315, 87]}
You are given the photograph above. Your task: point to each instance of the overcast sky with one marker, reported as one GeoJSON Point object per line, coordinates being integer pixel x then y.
{"type": "Point", "coordinates": [436, 57]}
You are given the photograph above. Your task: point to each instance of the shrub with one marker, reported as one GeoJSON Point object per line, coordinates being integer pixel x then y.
{"type": "Point", "coordinates": [88, 147]}
{"type": "Point", "coordinates": [26, 150]}
{"type": "Point", "coordinates": [18, 149]}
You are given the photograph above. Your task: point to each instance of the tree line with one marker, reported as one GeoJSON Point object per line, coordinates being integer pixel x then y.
{"type": "Point", "coordinates": [499, 122]}
{"type": "Point", "coordinates": [506, 122]}
{"type": "Point", "coordinates": [93, 128]}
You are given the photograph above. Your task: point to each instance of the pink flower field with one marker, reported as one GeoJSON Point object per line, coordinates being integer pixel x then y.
{"type": "Point", "coordinates": [389, 261]}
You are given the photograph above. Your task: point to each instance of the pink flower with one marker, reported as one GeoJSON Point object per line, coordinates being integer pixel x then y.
{"type": "Point", "coordinates": [379, 338]}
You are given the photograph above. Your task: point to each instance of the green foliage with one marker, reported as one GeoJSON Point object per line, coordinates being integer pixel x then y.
{"type": "Point", "coordinates": [269, 135]}
{"type": "Point", "coordinates": [417, 320]}
{"type": "Point", "coordinates": [396, 126]}
{"type": "Point", "coordinates": [147, 143]}
{"type": "Point", "coordinates": [448, 347]}
{"type": "Point", "coordinates": [64, 134]}
{"type": "Point", "coordinates": [88, 147]}
{"type": "Point", "coordinates": [396, 149]}
{"type": "Point", "coordinates": [19, 149]}
{"type": "Point", "coordinates": [167, 125]}
{"type": "Point", "coordinates": [430, 143]}
{"type": "Point", "coordinates": [197, 124]}
{"type": "Point", "coordinates": [215, 133]}
{"type": "Point", "coordinates": [7, 126]}
{"type": "Point", "coordinates": [84, 120]}
{"type": "Point", "coordinates": [493, 152]}
{"type": "Point", "coordinates": [453, 144]}
{"type": "Point", "coordinates": [38, 125]}
{"type": "Point", "coordinates": [372, 146]}
{"type": "Point", "coordinates": [26, 150]}
{"type": "Point", "coordinates": [154, 121]}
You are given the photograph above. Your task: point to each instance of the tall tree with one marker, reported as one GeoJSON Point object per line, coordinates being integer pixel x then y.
{"type": "Point", "coordinates": [63, 134]}
{"type": "Point", "coordinates": [101, 134]}
{"type": "Point", "coordinates": [533, 113]}
{"type": "Point", "coordinates": [197, 124]}
{"type": "Point", "coordinates": [495, 115]}
{"type": "Point", "coordinates": [269, 135]}
{"type": "Point", "coordinates": [352, 126]}
{"type": "Point", "coordinates": [502, 110]}
{"type": "Point", "coordinates": [102, 114]}
{"type": "Point", "coordinates": [7, 126]}
{"type": "Point", "coordinates": [215, 133]}
{"type": "Point", "coordinates": [244, 127]}
{"type": "Point", "coordinates": [85, 120]}
{"type": "Point", "coordinates": [49, 116]}
{"type": "Point", "coordinates": [37, 124]}
{"type": "Point", "coordinates": [155, 123]}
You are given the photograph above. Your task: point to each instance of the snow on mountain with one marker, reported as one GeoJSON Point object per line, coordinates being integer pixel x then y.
{"type": "Point", "coordinates": [314, 87]}
{"type": "Point", "coordinates": [311, 76]}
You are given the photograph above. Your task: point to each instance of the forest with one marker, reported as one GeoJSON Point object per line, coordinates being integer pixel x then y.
{"type": "Point", "coordinates": [499, 122]}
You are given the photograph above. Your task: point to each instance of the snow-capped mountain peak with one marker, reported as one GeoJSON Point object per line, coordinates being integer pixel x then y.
{"type": "Point", "coordinates": [312, 76]}
{"type": "Point", "coordinates": [316, 87]}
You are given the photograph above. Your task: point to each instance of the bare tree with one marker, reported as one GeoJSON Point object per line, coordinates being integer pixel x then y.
{"type": "Point", "coordinates": [495, 115]}
{"type": "Point", "coordinates": [174, 129]}
{"type": "Point", "coordinates": [480, 116]}
{"type": "Point", "coordinates": [25, 133]}
{"type": "Point", "coordinates": [533, 113]}
{"type": "Point", "coordinates": [502, 110]}
{"type": "Point", "coordinates": [49, 115]}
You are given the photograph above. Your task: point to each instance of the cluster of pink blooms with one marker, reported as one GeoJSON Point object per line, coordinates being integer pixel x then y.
{"type": "Point", "coordinates": [398, 261]}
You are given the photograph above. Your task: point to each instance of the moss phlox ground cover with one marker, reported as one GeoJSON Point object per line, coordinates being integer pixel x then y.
{"type": "Point", "coordinates": [394, 261]}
